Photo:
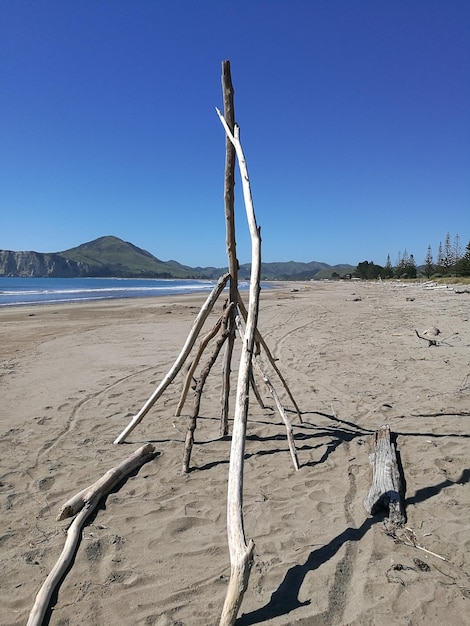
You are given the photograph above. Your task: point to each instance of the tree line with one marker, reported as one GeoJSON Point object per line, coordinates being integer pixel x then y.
{"type": "Point", "coordinates": [451, 260]}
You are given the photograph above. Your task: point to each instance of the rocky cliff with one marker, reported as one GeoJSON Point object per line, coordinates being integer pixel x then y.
{"type": "Point", "coordinates": [39, 264]}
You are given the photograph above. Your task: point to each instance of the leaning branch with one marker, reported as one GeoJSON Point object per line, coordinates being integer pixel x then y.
{"type": "Point", "coordinates": [271, 359]}
{"type": "Point", "coordinates": [190, 341]}
{"type": "Point", "coordinates": [189, 440]}
{"type": "Point", "coordinates": [190, 374]}
{"type": "Point", "coordinates": [277, 400]}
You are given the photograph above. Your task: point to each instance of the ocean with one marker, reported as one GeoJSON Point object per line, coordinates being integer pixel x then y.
{"type": "Point", "coordinates": [27, 291]}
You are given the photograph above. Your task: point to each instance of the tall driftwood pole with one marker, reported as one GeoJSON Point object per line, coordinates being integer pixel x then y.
{"type": "Point", "coordinates": [241, 554]}
{"type": "Point", "coordinates": [229, 203]}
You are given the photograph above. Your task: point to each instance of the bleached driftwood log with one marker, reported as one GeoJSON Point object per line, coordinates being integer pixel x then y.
{"type": "Point", "coordinates": [386, 489]}
{"type": "Point", "coordinates": [241, 554]}
{"type": "Point", "coordinates": [83, 503]}
{"type": "Point", "coordinates": [190, 341]}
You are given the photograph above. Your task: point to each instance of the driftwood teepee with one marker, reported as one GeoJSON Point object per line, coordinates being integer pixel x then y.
{"type": "Point", "coordinates": [235, 319]}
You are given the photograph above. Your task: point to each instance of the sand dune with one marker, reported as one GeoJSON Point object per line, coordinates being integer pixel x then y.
{"type": "Point", "coordinates": [155, 551]}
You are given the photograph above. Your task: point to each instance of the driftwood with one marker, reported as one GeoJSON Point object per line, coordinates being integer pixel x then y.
{"type": "Point", "coordinates": [192, 368]}
{"type": "Point", "coordinates": [386, 489]}
{"type": "Point", "coordinates": [241, 554]}
{"type": "Point", "coordinates": [229, 206]}
{"type": "Point", "coordinates": [83, 503]}
{"type": "Point", "coordinates": [430, 335]}
{"type": "Point", "coordinates": [271, 359]}
{"type": "Point", "coordinates": [190, 341]}
{"type": "Point", "coordinates": [256, 391]}
{"type": "Point", "coordinates": [188, 444]}
{"type": "Point", "coordinates": [272, 391]}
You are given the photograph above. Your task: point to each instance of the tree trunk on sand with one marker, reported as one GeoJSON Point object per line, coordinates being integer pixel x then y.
{"type": "Point", "coordinates": [386, 489]}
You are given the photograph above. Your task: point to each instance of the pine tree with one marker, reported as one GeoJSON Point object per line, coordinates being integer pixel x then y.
{"type": "Point", "coordinates": [428, 264]}
{"type": "Point", "coordinates": [440, 259]}
{"type": "Point", "coordinates": [448, 257]}
{"type": "Point", "coordinates": [411, 270]}
{"type": "Point", "coordinates": [388, 269]}
{"type": "Point", "coordinates": [462, 267]}
{"type": "Point", "coordinates": [402, 264]}
{"type": "Point", "coordinates": [457, 249]}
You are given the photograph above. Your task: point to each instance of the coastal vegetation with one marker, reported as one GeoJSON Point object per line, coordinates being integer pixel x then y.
{"type": "Point", "coordinates": [451, 262]}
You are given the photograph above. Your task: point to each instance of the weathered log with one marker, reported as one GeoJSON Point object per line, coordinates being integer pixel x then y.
{"type": "Point", "coordinates": [386, 490]}
{"type": "Point", "coordinates": [189, 440]}
{"type": "Point", "coordinates": [241, 554]}
{"type": "Point", "coordinates": [190, 341]}
{"type": "Point", "coordinates": [83, 503]}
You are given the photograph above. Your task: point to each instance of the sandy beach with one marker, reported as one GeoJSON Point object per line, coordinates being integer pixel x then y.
{"type": "Point", "coordinates": [155, 551]}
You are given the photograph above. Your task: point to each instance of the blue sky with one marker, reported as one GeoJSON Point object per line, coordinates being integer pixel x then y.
{"type": "Point", "coordinates": [354, 117]}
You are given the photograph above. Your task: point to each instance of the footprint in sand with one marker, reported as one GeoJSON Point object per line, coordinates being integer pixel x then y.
{"type": "Point", "coordinates": [46, 483]}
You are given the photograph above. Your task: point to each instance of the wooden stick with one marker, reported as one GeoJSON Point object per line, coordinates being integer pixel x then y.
{"type": "Point", "coordinates": [188, 444]}
{"type": "Point", "coordinates": [272, 391]}
{"type": "Point", "coordinates": [190, 341]}
{"type": "Point", "coordinates": [271, 359]}
{"type": "Point", "coordinates": [226, 371]}
{"type": "Point", "coordinates": [189, 376]}
{"type": "Point", "coordinates": [84, 503]}
{"type": "Point", "coordinates": [229, 203]}
{"type": "Point", "coordinates": [255, 389]}
{"type": "Point", "coordinates": [386, 489]}
{"type": "Point", "coordinates": [241, 554]}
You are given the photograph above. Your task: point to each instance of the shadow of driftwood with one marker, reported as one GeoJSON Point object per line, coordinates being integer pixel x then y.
{"type": "Point", "coordinates": [428, 492]}
{"type": "Point", "coordinates": [286, 597]}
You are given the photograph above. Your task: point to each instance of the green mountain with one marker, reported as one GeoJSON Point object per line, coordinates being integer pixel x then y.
{"type": "Point", "coordinates": [112, 257]}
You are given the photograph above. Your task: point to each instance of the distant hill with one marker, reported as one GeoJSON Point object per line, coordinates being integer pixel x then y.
{"type": "Point", "coordinates": [112, 257]}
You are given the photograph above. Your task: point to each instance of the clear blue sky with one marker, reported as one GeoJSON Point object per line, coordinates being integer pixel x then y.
{"type": "Point", "coordinates": [354, 117]}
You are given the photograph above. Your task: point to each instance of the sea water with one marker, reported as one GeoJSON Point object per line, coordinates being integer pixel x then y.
{"type": "Point", "coordinates": [16, 291]}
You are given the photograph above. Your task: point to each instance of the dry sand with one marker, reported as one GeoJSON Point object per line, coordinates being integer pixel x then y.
{"type": "Point", "coordinates": [156, 552]}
